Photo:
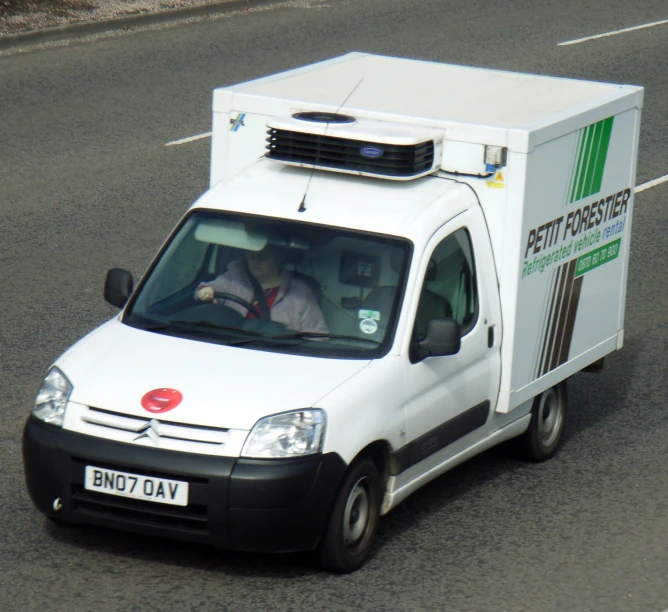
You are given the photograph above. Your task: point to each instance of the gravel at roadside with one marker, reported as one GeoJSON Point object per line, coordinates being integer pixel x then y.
{"type": "Point", "coordinates": [40, 14]}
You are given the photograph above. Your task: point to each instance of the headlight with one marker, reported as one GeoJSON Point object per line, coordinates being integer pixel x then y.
{"type": "Point", "coordinates": [291, 434]}
{"type": "Point", "coordinates": [52, 398]}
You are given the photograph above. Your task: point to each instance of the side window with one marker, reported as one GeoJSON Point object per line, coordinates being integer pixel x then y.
{"type": "Point", "coordinates": [449, 287]}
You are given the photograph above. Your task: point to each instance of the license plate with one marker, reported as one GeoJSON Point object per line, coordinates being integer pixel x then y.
{"type": "Point", "coordinates": [146, 488]}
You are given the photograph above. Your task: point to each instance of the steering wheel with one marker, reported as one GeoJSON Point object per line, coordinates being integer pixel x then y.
{"type": "Point", "coordinates": [235, 298]}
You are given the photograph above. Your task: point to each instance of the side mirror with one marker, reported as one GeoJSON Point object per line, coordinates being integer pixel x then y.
{"type": "Point", "coordinates": [443, 338]}
{"type": "Point", "coordinates": [117, 287]}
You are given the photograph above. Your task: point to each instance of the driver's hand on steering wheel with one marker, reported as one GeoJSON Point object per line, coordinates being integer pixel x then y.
{"type": "Point", "coordinates": [205, 294]}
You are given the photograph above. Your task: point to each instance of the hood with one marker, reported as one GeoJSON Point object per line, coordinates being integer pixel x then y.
{"type": "Point", "coordinates": [221, 386]}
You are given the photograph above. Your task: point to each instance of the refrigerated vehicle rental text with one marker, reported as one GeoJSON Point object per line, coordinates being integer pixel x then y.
{"type": "Point", "coordinates": [398, 265]}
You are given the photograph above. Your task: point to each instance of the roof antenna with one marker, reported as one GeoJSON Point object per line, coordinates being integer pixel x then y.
{"type": "Point", "coordinates": [302, 204]}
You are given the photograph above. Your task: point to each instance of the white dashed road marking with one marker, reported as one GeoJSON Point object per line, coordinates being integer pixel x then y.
{"type": "Point", "coordinates": [640, 27]}
{"type": "Point", "coordinates": [189, 139]}
{"type": "Point", "coordinates": [653, 183]}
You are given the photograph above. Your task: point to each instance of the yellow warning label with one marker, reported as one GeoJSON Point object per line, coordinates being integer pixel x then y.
{"type": "Point", "coordinates": [497, 183]}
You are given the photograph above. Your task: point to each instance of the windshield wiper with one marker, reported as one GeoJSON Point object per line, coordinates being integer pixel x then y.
{"type": "Point", "coordinates": [203, 326]}
{"type": "Point", "coordinates": [317, 335]}
{"type": "Point", "coordinates": [248, 336]}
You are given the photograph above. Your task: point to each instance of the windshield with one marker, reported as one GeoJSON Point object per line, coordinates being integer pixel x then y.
{"type": "Point", "coordinates": [272, 284]}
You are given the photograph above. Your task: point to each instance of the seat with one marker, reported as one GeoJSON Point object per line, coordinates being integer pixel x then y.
{"type": "Point", "coordinates": [381, 299]}
{"type": "Point", "coordinates": [456, 285]}
{"type": "Point", "coordinates": [431, 305]}
{"type": "Point", "coordinates": [314, 285]}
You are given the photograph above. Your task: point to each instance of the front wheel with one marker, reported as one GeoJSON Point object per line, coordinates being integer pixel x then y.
{"type": "Point", "coordinates": [548, 416]}
{"type": "Point", "coordinates": [351, 531]}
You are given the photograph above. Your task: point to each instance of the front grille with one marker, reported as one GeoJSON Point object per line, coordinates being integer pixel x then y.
{"type": "Point", "coordinates": [161, 433]}
{"type": "Point", "coordinates": [346, 154]}
{"type": "Point", "coordinates": [192, 518]}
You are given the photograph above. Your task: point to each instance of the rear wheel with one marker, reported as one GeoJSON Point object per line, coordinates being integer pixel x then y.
{"type": "Point", "coordinates": [548, 416]}
{"type": "Point", "coordinates": [351, 531]}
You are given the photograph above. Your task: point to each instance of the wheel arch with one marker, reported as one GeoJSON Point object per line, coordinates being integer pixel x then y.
{"type": "Point", "coordinates": [380, 452]}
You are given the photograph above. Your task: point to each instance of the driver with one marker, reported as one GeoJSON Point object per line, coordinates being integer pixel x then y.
{"type": "Point", "coordinates": [291, 301]}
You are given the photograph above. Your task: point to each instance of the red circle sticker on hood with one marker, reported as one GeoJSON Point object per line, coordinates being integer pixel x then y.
{"type": "Point", "coordinates": [161, 400]}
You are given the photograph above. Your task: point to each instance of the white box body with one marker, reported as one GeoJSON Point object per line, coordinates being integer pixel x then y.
{"type": "Point", "coordinates": [571, 153]}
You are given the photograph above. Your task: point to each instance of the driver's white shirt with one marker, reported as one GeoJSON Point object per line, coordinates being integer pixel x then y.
{"type": "Point", "coordinates": [295, 306]}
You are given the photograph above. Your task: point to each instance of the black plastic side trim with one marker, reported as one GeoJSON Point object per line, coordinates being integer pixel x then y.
{"type": "Point", "coordinates": [272, 484]}
{"type": "Point", "coordinates": [440, 437]}
{"type": "Point", "coordinates": [289, 527]}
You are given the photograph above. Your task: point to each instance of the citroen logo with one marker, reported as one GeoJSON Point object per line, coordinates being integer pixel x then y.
{"type": "Point", "coordinates": [150, 430]}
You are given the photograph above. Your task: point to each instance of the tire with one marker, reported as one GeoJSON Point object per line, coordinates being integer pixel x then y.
{"type": "Point", "coordinates": [351, 532]}
{"type": "Point", "coordinates": [548, 416]}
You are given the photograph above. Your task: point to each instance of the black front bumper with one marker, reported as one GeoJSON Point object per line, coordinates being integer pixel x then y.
{"type": "Point", "coordinates": [240, 504]}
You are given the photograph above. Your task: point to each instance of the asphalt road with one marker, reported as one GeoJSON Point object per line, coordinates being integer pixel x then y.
{"type": "Point", "coordinates": [86, 184]}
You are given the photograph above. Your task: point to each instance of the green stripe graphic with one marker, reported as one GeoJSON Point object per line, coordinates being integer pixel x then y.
{"type": "Point", "coordinates": [592, 151]}
{"type": "Point", "coordinates": [602, 154]}
{"type": "Point", "coordinates": [578, 163]}
{"type": "Point", "coordinates": [586, 161]}
{"type": "Point", "coordinates": [596, 143]}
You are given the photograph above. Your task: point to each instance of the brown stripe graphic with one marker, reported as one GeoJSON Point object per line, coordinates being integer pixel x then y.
{"type": "Point", "coordinates": [548, 319]}
{"type": "Point", "coordinates": [555, 318]}
{"type": "Point", "coordinates": [560, 320]}
{"type": "Point", "coordinates": [570, 321]}
{"type": "Point", "coordinates": [569, 273]}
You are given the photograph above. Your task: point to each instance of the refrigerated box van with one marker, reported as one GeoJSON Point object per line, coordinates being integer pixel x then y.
{"type": "Point", "coordinates": [398, 265]}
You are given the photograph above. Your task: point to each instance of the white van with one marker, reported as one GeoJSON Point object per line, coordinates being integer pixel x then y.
{"type": "Point", "coordinates": [398, 265]}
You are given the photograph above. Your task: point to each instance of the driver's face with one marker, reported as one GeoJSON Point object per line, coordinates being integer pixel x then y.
{"type": "Point", "coordinates": [263, 264]}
